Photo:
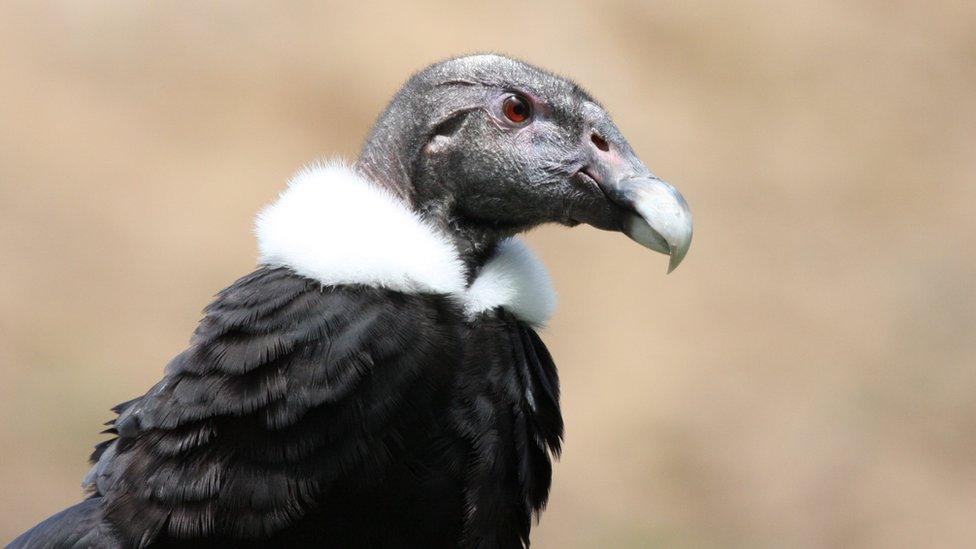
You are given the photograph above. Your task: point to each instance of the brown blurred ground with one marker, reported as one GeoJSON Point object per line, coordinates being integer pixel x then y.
{"type": "Point", "coordinates": [806, 379]}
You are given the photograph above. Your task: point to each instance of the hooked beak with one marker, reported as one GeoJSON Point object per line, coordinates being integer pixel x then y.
{"type": "Point", "coordinates": [656, 215]}
{"type": "Point", "coordinates": [649, 210]}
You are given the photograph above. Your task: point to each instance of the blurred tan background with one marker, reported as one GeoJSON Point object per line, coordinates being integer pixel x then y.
{"type": "Point", "coordinates": [807, 378]}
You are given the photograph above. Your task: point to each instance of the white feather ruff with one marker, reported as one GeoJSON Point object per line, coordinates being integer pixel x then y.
{"type": "Point", "coordinates": [515, 279]}
{"type": "Point", "coordinates": [334, 226]}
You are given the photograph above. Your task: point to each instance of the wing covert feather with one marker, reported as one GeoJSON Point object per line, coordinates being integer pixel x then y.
{"type": "Point", "coordinates": [286, 387]}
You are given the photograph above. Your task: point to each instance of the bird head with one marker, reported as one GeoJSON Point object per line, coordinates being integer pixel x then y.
{"type": "Point", "coordinates": [491, 146]}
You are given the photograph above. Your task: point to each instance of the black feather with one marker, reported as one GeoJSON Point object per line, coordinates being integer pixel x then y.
{"type": "Point", "coordinates": [349, 416]}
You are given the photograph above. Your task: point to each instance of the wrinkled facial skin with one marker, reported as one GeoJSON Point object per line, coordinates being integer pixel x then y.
{"type": "Point", "coordinates": [518, 175]}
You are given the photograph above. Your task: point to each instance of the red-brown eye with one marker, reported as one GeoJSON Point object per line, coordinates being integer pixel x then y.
{"type": "Point", "coordinates": [517, 109]}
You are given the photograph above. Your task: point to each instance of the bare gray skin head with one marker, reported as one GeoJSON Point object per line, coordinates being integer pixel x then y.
{"type": "Point", "coordinates": [486, 147]}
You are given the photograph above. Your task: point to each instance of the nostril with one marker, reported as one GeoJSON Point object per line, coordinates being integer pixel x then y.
{"type": "Point", "coordinates": [600, 142]}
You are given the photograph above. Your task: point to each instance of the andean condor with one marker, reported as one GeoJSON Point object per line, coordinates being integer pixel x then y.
{"type": "Point", "coordinates": [378, 380]}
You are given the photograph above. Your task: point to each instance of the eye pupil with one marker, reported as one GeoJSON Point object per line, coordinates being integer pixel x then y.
{"type": "Point", "coordinates": [516, 109]}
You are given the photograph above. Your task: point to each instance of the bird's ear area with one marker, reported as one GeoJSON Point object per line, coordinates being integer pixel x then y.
{"type": "Point", "coordinates": [444, 132]}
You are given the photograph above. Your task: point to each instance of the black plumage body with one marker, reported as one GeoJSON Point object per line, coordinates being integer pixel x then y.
{"type": "Point", "coordinates": [332, 416]}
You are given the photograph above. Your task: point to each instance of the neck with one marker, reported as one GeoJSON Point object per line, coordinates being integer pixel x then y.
{"type": "Point", "coordinates": [475, 241]}
{"type": "Point", "coordinates": [475, 244]}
